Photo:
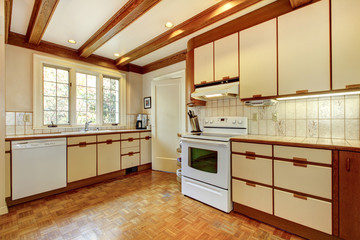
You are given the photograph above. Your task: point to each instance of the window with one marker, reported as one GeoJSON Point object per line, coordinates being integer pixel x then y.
{"type": "Point", "coordinates": [69, 94]}
{"type": "Point", "coordinates": [85, 98]}
{"type": "Point", "coordinates": [55, 96]}
{"type": "Point", "coordinates": [110, 100]}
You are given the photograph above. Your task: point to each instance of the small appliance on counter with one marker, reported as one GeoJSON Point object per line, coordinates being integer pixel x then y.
{"type": "Point", "coordinates": [194, 121]}
{"type": "Point", "coordinates": [141, 121]}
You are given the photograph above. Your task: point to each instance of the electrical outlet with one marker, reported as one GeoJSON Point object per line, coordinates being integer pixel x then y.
{"type": "Point", "coordinates": [255, 116]}
{"type": "Point", "coordinates": [274, 116]}
{"type": "Point", "coordinates": [26, 118]}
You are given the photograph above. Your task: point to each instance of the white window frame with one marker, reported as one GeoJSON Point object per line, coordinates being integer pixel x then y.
{"type": "Point", "coordinates": [99, 72]}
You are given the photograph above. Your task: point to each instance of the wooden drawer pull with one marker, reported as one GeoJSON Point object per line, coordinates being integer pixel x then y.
{"type": "Point", "coordinates": [257, 96]}
{"type": "Point", "coordinates": [249, 153]}
{"type": "Point", "coordinates": [299, 159]}
{"type": "Point", "coordinates": [352, 86]}
{"type": "Point", "coordinates": [131, 153]}
{"type": "Point", "coordinates": [302, 91]}
{"type": "Point", "coordinates": [299, 196]}
{"type": "Point", "coordinates": [109, 141]}
{"type": "Point", "coordinates": [251, 157]}
{"type": "Point", "coordinates": [147, 138]}
{"type": "Point", "coordinates": [130, 139]}
{"type": "Point", "coordinates": [82, 144]}
{"type": "Point", "coordinates": [226, 78]}
{"type": "Point", "coordinates": [348, 164]}
{"type": "Point", "coordinates": [251, 184]}
{"type": "Point", "coordinates": [300, 165]}
{"type": "Point", "coordinates": [202, 82]}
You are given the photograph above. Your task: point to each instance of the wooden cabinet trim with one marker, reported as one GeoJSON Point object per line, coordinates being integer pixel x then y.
{"type": "Point", "coordinates": [81, 144]}
{"type": "Point", "coordinates": [302, 194]}
{"type": "Point", "coordinates": [252, 156]}
{"type": "Point", "coordinates": [252, 182]}
{"type": "Point", "coordinates": [130, 153]}
{"type": "Point", "coordinates": [302, 162]}
{"type": "Point", "coordinates": [113, 141]}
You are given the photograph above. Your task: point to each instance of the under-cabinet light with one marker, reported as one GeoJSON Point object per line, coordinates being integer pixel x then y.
{"type": "Point", "coordinates": [214, 95]}
{"type": "Point", "coordinates": [318, 95]}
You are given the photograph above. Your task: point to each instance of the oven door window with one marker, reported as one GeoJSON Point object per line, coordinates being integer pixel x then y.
{"type": "Point", "coordinates": [203, 160]}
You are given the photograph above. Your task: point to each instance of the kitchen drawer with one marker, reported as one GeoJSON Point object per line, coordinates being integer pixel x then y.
{"type": "Point", "coordinates": [257, 169]}
{"type": "Point", "coordinates": [104, 138]}
{"type": "Point", "coordinates": [313, 180]}
{"type": "Point", "coordinates": [129, 135]}
{"type": "Point", "coordinates": [309, 212]}
{"type": "Point", "coordinates": [78, 140]}
{"type": "Point", "coordinates": [307, 154]}
{"type": "Point", "coordinates": [129, 150]}
{"type": "Point", "coordinates": [256, 196]}
{"type": "Point", "coordinates": [258, 149]}
{"type": "Point", "coordinates": [7, 175]}
{"type": "Point", "coordinates": [130, 161]}
{"type": "Point", "coordinates": [130, 144]}
{"type": "Point", "coordinates": [7, 146]}
{"type": "Point", "coordinates": [145, 134]}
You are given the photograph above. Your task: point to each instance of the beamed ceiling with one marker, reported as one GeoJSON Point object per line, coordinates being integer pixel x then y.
{"type": "Point", "coordinates": [134, 29]}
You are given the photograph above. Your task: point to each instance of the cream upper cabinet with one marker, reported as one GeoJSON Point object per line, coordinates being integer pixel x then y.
{"type": "Point", "coordinates": [226, 57]}
{"type": "Point", "coordinates": [204, 64]}
{"type": "Point", "coordinates": [258, 60]}
{"type": "Point", "coordinates": [304, 49]}
{"type": "Point", "coordinates": [345, 43]}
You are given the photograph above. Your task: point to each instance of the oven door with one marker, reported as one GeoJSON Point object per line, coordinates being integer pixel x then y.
{"type": "Point", "coordinates": [206, 161]}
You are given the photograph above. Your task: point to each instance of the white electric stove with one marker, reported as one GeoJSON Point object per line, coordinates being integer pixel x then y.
{"type": "Point", "coordinates": [206, 161]}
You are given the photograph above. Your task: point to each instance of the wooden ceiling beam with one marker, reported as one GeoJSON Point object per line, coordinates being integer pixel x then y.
{"type": "Point", "coordinates": [40, 18]}
{"type": "Point", "coordinates": [164, 62]}
{"type": "Point", "coordinates": [211, 15]}
{"type": "Point", "coordinates": [132, 10]}
{"type": "Point", "coordinates": [299, 3]}
{"type": "Point", "coordinates": [8, 12]}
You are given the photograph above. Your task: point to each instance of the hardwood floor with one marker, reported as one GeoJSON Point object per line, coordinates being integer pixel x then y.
{"type": "Point", "coordinates": [146, 205]}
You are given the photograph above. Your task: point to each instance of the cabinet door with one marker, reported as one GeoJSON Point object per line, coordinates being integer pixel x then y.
{"type": "Point", "coordinates": [7, 175]}
{"type": "Point", "coordinates": [226, 57]}
{"type": "Point", "coordinates": [145, 149]}
{"type": "Point", "coordinates": [304, 49]}
{"type": "Point", "coordinates": [258, 60]}
{"type": "Point", "coordinates": [204, 64]}
{"type": "Point", "coordinates": [349, 195]}
{"type": "Point", "coordinates": [108, 157]}
{"type": "Point", "coordinates": [81, 162]}
{"type": "Point", "coordinates": [345, 43]}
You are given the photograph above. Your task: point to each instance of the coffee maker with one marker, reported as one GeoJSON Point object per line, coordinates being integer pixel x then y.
{"type": "Point", "coordinates": [141, 121]}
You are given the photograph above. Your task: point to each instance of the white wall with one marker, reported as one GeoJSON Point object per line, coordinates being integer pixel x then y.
{"type": "Point", "coordinates": [134, 93]}
{"type": "Point", "coordinates": [3, 208]}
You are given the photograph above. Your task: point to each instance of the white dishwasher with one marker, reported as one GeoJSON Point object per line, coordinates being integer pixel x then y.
{"type": "Point", "coordinates": [38, 166]}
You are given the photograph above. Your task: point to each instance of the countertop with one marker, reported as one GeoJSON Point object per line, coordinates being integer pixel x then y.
{"type": "Point", "coordinates": [72, 134]}
{"type": "Point", "coordinates": [322, 143]}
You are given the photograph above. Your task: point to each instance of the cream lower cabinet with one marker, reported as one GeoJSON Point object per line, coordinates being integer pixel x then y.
{"type": "Point", "coordinates": [258, 60]}
{"type": "Point", "coordinates": [345, 43]}
{"type": "Point", "coordinates": [145, 148]}
{"type": "Point", "coordinates": [130, 150]}
{"type": "Point", "coordinates": [304, 49]}
{"type": "Point", "coordinates": [81, 158]}
{"type": "Point", "coordinates": [7, 169]}
{"type": "Point", "coordinates": [108, 153]}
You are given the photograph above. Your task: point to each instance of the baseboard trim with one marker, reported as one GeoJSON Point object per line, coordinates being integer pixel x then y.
{"type": "Point", "coordinates": [3, 210]}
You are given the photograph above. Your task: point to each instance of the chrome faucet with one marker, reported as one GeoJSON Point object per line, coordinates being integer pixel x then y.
{"type": "Point", "coordinates": [87, 125]}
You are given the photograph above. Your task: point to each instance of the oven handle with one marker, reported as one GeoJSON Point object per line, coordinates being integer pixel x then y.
{"type": "Point", "coordinates": [212, 143]}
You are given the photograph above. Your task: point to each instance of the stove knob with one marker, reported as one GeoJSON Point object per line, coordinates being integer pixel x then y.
{"type": "Point", "coordinates": [211, 121]}
{"type": "Point", "coordinates": [240, 122]}
{"type": "Point", "coordinates": [206, 121]}
{"type": "Point", "coordinates": [234, 122]}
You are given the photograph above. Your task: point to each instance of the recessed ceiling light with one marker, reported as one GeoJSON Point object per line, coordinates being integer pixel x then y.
{"type": "Point", "coordinates": [72, 41]}
{"type": "Point", "coordinates": [116, 54]}
{"type": "Point", "coordinates": [169, 24]}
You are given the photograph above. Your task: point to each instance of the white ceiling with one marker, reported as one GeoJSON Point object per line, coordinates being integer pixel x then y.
{"type": "Point", "coordinates": [80, 19]}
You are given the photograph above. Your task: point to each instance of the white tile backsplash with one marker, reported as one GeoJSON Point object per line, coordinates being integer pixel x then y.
{"type": "Point", "coordinates": [324, 117]}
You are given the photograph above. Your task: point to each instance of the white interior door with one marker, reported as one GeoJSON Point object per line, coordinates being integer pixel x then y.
{"type": "Point", "coordinates": [168, 115]}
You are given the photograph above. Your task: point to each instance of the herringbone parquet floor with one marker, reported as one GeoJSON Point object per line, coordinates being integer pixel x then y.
{"type": "Point", "coordinates": [146, 205]}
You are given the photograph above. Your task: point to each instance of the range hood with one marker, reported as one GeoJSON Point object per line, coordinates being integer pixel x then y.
{"type": "Point", "coordinates": [226, 90]}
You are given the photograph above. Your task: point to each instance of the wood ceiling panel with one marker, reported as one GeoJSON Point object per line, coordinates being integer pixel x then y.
{"type": "Point", "coordinates": [172, 59]}
{"type": "Point", "coordinates": [123, 18]}
{"type": "Point", "coordinates": [8, 12]}
{"type": "Point", "coordinates": [40, 18]}
{"type": "Point", "coordinates": [209, 16]}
